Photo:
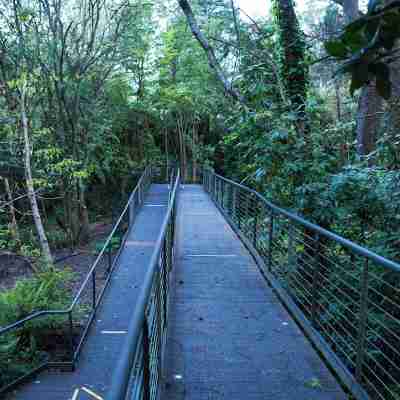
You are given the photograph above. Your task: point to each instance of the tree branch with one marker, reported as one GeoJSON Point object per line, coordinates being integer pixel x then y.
{"type": "Point", "coordinates": [212, 59]}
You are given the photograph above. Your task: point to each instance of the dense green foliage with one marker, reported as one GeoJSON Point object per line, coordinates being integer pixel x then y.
{"type": "Point", "coordinates": [104, 94]}
{"type": "Point", "coordinates": [24, 348]}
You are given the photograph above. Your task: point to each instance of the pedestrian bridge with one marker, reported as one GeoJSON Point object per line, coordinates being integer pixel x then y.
{"type": "Point", "coordinates": [216, 293]}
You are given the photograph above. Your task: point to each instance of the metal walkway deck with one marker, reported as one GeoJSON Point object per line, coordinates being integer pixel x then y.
{"type": "Point", "coordinates": [105, 341]}
{"type": "Point", "coordinates": [229, 336]}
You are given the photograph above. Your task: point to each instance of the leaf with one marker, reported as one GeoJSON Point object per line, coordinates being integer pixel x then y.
{"type": "Point", "coordinates": [336, 48]}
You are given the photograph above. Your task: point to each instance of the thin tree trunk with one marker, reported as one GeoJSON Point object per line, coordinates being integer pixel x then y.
{"type": "Point", "coordinates": [194, 153]}
{"type": "Point", "coordinates": [13, 224]}
{"type": "Point", "coordinates": [182, 147]}
{"type": "Point", "coordinates": [166, 154]}
{"type": "Point", "coordinates": [84, 215]}
{"type": "Point", "coordinates": [44, 244]}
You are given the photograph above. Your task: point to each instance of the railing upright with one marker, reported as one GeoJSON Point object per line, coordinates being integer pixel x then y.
{"type": "Point", "coordinates": [363, 317]}
{"type": "Point", "coordinates": [315, 279]}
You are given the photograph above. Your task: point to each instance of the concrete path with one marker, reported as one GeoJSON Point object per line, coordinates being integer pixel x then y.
{"type": "Point", "coordinates": [229, 337]}
{"type": "Point", "coordinates": [102, 350]}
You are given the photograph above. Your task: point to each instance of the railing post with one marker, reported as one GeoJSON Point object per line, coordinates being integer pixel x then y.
{"type": "Point", "coordinates": [363, 319]}
{"type": "Point", "coordinates": [146, 362]}
{"type": "Point", "coordinates": [234, 192]}
{"type": "Point", "coordinates": [94, 289]}
{"type": "Point", "coordinates": [215, 187]}
{"type": "Point", "coordinates": [131, 211]}
{"type": "Point", "coordinates": [222, 193]}
{"type": "Point", "coordinates": [109, 257]}
{"type": "Point", "coordinates": [71, 337]}
{"type": "Point", "coordinates": [164, 275]}
{"type": "Point", "coordinates": [315, 281]}
{"type": "Point", "coordinates": [248, 213]}
{"type": "Point", "coordinates": [270, 240]}
{"type": "Point", "coordinates": [238, 210]}
{"type": "Point", "coordinates": [255, 229]}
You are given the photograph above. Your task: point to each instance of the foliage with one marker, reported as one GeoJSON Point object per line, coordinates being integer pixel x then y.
{"type": "Point", "coordinates": [368, 46]}
{"type": "Point", "coordinates": [20, 350]}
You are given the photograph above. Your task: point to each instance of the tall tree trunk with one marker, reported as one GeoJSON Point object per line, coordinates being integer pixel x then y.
{"type": "Point", "coordinates": [394, 108]}
{"type": "Point", "coordinates": [44, 244]}
{"type": "Point", "coordinates": [194, 152]}
{"type": "Point", "coordinates": [166, 154]}
{"type": "Point", "coordinates": [182, 147]}
{"type": "Point", "coordinates": [294, 70]}
{"type": "Point", "coordinates": [13, 224]}
{"type": "Point", "coordinates": [368, 120]}
{"type": "Point", "coordinates": [370, 103]}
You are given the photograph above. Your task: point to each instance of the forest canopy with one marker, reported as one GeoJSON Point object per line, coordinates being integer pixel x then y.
{"type": "Point", "coordinates": [301, 106]}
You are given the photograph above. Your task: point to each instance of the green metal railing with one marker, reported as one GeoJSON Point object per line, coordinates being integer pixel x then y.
{"type": "Point", "coordinates": [345, 297]}
{"type": "Point", "coordinates": [138, 373]}
{"type": "Point", "coordinates": [74, 322]}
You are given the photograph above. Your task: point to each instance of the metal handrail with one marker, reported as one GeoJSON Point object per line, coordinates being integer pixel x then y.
{"type": "Point", "coordinates": [354, 247]}
{"type": "Point", "coordinates": [130, 210]}
{"type": "Point", "coordinates": [137, 369]}
{"type": "Point", "coordinates": [345, 297]}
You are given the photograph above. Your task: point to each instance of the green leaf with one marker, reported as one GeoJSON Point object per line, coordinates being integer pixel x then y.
{"type": "Point", "coordinates": [336, 48]}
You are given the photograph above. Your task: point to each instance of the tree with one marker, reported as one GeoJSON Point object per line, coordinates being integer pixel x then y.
{"type": "Point", "coordinates": [294, 70]}
{"type": "Point", "coordinates": [44, 244]}
{"type": "Point", "coordinates": [212, 59]}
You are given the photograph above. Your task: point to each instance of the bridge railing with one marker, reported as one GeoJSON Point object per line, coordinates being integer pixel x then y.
{"type": "Point", "coordinates": [72, 324]}
{"type": "Point", "coordinates": [345, 297]}
{"type": "Point", "coordinates": [138, 373]}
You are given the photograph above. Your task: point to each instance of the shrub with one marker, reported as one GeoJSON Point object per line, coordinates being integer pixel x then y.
{"type": "Point", "coordinates": [19, 350]}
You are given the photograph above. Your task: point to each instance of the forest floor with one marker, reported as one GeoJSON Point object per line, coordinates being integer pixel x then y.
{"type": "Point", "coordinates": [78, 260]}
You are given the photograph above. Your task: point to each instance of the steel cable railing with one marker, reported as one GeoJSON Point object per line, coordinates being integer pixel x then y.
{"type": "Point", "coordinates": [138, 373]}
{"type": "Point", "coordinates": [76, 320]}
{"type": "Point", "coordinates": [345, 297]}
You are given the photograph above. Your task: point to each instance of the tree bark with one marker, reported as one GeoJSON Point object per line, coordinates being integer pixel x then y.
{"type": "Point", "coordinates": [368, 119]}
{"type": "Point", "coordinates": [13, 224]}
{"type": "Point", "coordinates": [194, 152]}
{"type": "Point", "coordinates": [84, 215]}
{"type": "Point", "coordinates": [44, 244]}
{"type": "Point", "coordinates": [212, 59]}
{"type": "Point", "coordinates": [294, 70]}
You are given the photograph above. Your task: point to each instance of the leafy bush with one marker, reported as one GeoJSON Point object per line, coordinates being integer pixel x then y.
{"type": "Point", "coordinates": [19, 349]}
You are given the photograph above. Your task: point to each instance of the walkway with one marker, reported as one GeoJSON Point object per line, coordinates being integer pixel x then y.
{"type": "Point", "coordinates": [102, 350]}
{"type": "Point", "coordinates": [229, 337]}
